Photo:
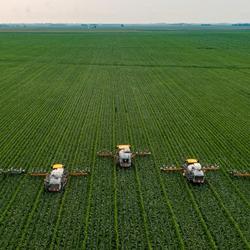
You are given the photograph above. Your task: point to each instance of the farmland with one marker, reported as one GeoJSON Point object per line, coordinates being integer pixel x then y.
{"type": "Point", "coordinates": [64, 96]}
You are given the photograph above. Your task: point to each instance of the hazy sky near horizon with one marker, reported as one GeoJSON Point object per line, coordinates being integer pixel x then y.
{"type": "Point", "coordinates": [124, 11]}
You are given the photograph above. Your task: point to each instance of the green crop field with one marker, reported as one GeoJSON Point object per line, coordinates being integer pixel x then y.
{"type": "Point", "coordinates": [180, 94]}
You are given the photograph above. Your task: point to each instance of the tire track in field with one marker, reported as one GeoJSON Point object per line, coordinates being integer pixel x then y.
{"type": "Point", "coordinates": [230, 217]}
{"type": "Point", "coordinates": [144, 216]}
{"type": "Point", "coordinates": [114, 139]}
{"type": "Point", "coordinates": [66, 107]}
{"type": "Point", "coordinates": [240, 233]}
{"type": "Point", "coordinates": [58, 219]}
{"type": "Point", "coordinates": [20, 182]}
{"type": "Point", "coordinates": [243, 238]}
{"type": "Point", "coordinates": [90, 193]}
{"type": "Point", "coordinates": [59, 151]}
{"type": "Point", "coordinates": [203, 222]}
{"type": "Point", "coordinates": [218, 146]}
{"type": "Point", "coordinates": [167, 200]}
{"type": "Point", "coordinates": [101, 224]}
{"type": "Point", "coordinates": [39, 191]}
{"type": "Point", "coordinates": [140, 120]}
{"type": "Point", "coordinates": [235, 224]}
{"type": "Point", "coordinates": [212, 243]}
{"type": "Point", "coordinates": [32, 126]}
{"type": "Point", "coordinates": [83, 119]}
{"type": "Point", "coordinates": [199, 215]}
{"type": "Point", "coordinates": [127, 195]}
{"type": "Point", "coordinates": [34, 160]}
{"type": "Point", "coordinates": [212, 133]}
{"type": "Point", "coordinates": [63, 239]}
{"type": "Point", "coordinates": [90, 119]}
{"type": "Point", "coordinates": [205, 67]}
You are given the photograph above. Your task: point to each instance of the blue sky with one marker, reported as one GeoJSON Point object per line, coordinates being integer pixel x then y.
{"type": "Point", "coordinates": [124, 11]}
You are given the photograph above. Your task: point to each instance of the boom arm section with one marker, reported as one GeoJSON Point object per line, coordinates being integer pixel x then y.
{"type": "Point", "coordinates": [169, 169]}
{"type": "Point", "coordinates": [240, 174]}
{"type": "Point", "coordinates": [210, 168]}
{"type": "Point", "coordinates": [12, 171]}
{"type": "Point", "coordinates": [141, 153]}
{"type": "Point", "coordinates": [79, 173]}
{"type": "Point", "coordinates": [105, 153]}
{"type": "Point", "coordinates": [38, 174]}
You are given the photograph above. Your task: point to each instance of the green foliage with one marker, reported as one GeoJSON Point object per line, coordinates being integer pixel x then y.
{"type": "Point", "coordinates": [64, 96]}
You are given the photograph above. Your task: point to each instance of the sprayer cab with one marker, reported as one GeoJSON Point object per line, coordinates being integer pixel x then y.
{"type": "Point", "coordinates": [193, 171]}
{"type": "Point", "coordinates": [56, 180]}
{"type": "Point", "coordinates": [124, 156]}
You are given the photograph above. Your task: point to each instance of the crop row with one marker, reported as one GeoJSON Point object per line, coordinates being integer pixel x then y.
{"type": "Point", "coordinates": [63, 103]}
{"type": "Point", "coordinates": [180, 141]}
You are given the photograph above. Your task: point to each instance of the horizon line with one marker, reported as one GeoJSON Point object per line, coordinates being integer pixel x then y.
{"type": "Point", "coordinates": [137, 23]}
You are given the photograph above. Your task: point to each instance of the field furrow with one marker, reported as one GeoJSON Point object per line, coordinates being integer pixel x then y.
{"type": "Point", "coordinates": [179, 94]}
